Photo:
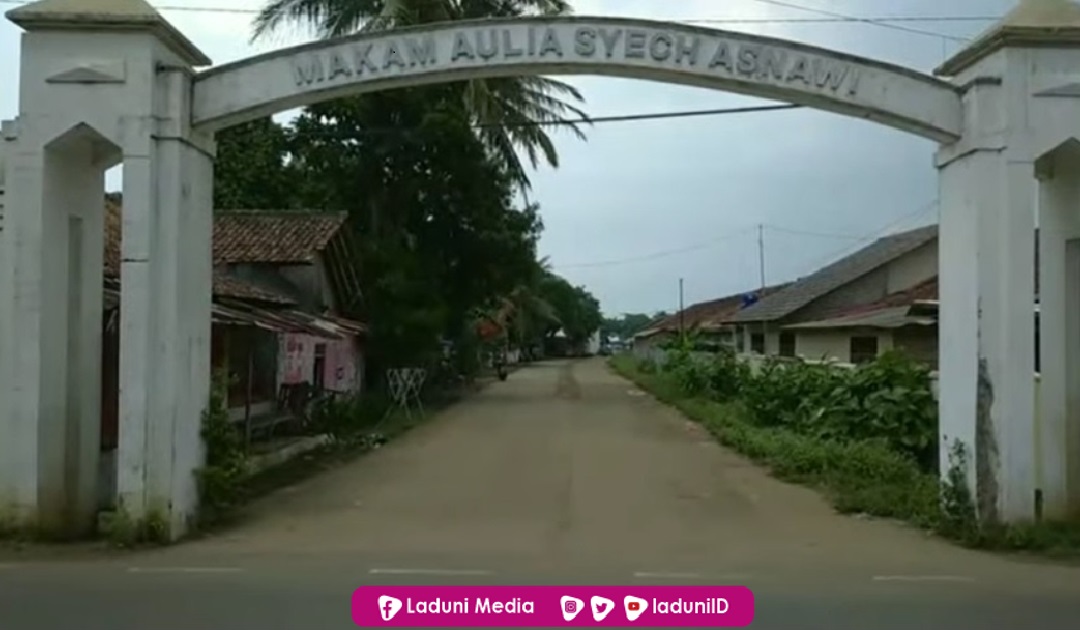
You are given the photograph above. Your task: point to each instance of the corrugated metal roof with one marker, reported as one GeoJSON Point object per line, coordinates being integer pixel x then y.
{"type": "Point", "coordinates": [235, 313]}
{"type": "Point", "coordinates": [891, 317]}
{"type": "Point", "coordinates": [231, 286]}
{"type": "Point", "coordinates": [801, 292]}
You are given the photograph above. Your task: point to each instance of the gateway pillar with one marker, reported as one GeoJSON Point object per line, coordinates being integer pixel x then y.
{"type": "Point", "coordinates": [102, 83]}
{"type": "Point", "coordinates": [1014, 80]}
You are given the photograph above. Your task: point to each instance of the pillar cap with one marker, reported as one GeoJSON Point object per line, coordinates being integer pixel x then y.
{"type": "Point", "coordinates": [106, 15]}
{"type": "Point", "coordinates": [1032, 23]}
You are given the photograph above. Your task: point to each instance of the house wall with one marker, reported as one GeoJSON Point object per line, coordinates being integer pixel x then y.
{"type": "Point", "coordinates": [834, 344]}
{"type": "Point", "coordinates": [914, 268]}
{"type": "Point", "coordinates": [645, 345]}
{"type": "Point", "coordinates": [771, 332]}
{"type": "Point", "coordinates": [919, 343]}
{"type": "Point", "coordinates": [308, 284]}
{"type": "Point", "coordinates": [903, 273]}
{"type": "Point", "coordinates": [343, 370]}
{"type": "Point", "coordinates": [314, 283]}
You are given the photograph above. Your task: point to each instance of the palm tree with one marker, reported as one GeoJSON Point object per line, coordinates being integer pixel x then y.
{"type": "Point", "coordinates": [533, 315]}
{"type": "Point", "coordinates": [510, 113]}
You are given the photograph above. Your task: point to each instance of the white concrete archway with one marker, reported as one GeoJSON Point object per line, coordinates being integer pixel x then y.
{"type": "Point", "coordinates": [113, 81]}
{"type": "Point", "coordinates": [638, 49]}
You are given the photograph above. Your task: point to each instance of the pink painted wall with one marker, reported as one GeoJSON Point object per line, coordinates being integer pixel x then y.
{"type": "Point", "coordinates": [297, 362]}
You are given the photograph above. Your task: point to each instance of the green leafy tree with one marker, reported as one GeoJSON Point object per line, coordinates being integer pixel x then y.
{"type": "Point", "coordinates": [627, 325]}
{"type": "Point", "coordinates": [533, 316]}
{"type": "Point", "coordinates": [578, 310]}
{"type": "Point", "coordinates": [440, 235]}
{"type": "Point", "coordinates": [251, 171]}
{"type": "Point", "coordinates": [509, 114]}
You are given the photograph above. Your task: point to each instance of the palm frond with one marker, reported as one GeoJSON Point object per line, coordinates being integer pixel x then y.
{"type": "Point", "coordinates": [512, 112]}
{"type": "Point", "coordinates": [326, 18]}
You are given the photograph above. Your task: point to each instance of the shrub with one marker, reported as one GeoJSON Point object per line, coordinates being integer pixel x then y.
{"type": "Point", "coordinates": [889, 400]}
{"type": "Point", "coordinates": [647, 365]}
{"type": "Point", "coordinates": [347, 419]}
{"type": "Point", "coordinates": [221, 480]}
{"type": "Point", "coordinates": [859, 476]}
{"type": "Point", "coordinates": [866, 467]}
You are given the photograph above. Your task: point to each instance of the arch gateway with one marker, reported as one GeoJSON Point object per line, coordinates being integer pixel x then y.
{"type": "Point", "coordinates": [109, 82]}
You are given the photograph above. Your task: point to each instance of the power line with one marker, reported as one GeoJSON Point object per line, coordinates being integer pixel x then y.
{"type": "Point", "coordinates": [902, 19]}
{"type": "Point", "coordinates": [863, 20]}
{"type": "Point", "coordinates": [876, 234]}
{"type": "Point", "coordinates": [713, 242]}
{"type": "Point", "coordinates": [785, 230]}
{"type": "Point", "coordinates": [662, 254]}
{"type": "Point", "coordinates": [761, 251]}
{"type": "Point", "coordinates": [835, 18]}
{"type": "Point", "coordinates": [653, 116]}
{"type": "Point", "coordinates": [566, 122]}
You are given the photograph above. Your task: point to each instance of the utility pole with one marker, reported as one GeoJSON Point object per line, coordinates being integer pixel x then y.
{"type": "Point", "coordinates": [682, 324]}
{"type": "Point", "coordinates": [761, 251]}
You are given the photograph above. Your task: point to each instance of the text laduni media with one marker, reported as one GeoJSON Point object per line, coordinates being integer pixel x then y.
{"type": "Point", "coordinates": [465, 606]}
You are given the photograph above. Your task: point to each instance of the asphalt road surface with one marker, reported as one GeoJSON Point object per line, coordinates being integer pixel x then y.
{"type": "Point", "coordinates": [564, 474]}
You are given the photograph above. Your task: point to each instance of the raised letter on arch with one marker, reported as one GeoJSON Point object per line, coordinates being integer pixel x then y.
{"type": "Point", "coordinates": [309, 70]}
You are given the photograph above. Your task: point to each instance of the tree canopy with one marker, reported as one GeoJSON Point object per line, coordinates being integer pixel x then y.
{"type": "Point", "coordinates": [429, 177]}
{"type": "Point", "coordinates": [627, 325]}
{"type": "Point", "coordinates": [441, 237]}
{"type": "Point", "coordinates": [509, 115]}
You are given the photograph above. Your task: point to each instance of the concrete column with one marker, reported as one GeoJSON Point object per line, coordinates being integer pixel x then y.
{"type": "Point", "coordinates": [165, 317]}
{"type": "Point", "coordinates": [1059, 284]}
{"type": "Point", "coordinates": [129, 103]}
{"type": "Point", "coordinates": [55, 231]}
{"type": "Point", "coordinates": [1021, 99]}
{"type": "Point", "coordinates": [987, 327]}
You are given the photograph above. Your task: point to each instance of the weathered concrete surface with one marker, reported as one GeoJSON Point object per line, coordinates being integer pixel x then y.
{"type": "Point", "coordinates": [562, 474]}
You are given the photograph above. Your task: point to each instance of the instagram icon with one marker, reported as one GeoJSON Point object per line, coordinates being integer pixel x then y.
{"type": "Point", "coordinates": [570, 607]}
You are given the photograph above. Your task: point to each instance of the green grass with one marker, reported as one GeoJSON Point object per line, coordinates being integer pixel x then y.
{"type": "Point", "coordinates": [857, 477]}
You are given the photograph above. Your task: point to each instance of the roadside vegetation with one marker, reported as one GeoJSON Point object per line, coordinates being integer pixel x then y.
{"type": "Point", "coordinates": [866, 437]}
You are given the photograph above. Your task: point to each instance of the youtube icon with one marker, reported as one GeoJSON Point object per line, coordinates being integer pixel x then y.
{"type": "Point", "coordinates": [634, 607]}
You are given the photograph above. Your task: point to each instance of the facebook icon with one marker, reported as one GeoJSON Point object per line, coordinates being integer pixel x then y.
{"type": "Point", "coordinates": [389, 607]}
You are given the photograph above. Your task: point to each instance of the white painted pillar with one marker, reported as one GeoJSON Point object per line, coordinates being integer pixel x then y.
{"type": "Point", "coordinates": [987, 326]}
{"type": "Point", "coordinates": [52, 352]}
{"type": "Point", "coordinates": [165, 315]}
{"type": "Point", "coordinates": [129, 103]}
{"type": "Point", "coordinates": [1020, 98]}
{"type": "Point", "coordinates": [1059, 284]}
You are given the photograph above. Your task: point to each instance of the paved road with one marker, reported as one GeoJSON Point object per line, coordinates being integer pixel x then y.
{"type": "Point", "coordinates": [561, 475]}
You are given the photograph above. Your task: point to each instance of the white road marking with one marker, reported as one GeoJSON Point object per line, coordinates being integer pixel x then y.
{"type": "Point", "coordinates": [428, 572]}
{"type": "Point", "coordinates": [185, 570]}
{"type": "Point", "coordinates": [665, 575]}
{"type": "Point", "coordinates": [922, 578]}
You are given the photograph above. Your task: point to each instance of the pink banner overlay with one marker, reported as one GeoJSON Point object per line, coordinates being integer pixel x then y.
{"type": "Point", "coordinates": [553, 606]}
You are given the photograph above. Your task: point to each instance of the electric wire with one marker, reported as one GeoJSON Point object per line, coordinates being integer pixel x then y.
{"type": "Point", "coordinates": [879, 22]}
{"type": "Point", "coordinates": [661, 254]}
{"type": "Point", "coordinates": [667, 115]}
{"type": "Point", "coordinates": [834, 18]}
{"type": "Point", "coordinates": [710, 244]}
{"type": "Point", "coordinates": [875, 235]}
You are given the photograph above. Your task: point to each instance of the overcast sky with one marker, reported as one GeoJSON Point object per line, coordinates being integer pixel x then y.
{"type": "Point", "coordinates": [642, 204]}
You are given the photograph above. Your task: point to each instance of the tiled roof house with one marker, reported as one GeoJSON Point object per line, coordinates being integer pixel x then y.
{"type": "Point", "coordinates": [855, 307]}
{"type": "Point", "coordinates": [788, 303]}
{"type": "Point", "coordinates": [243, 240]}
